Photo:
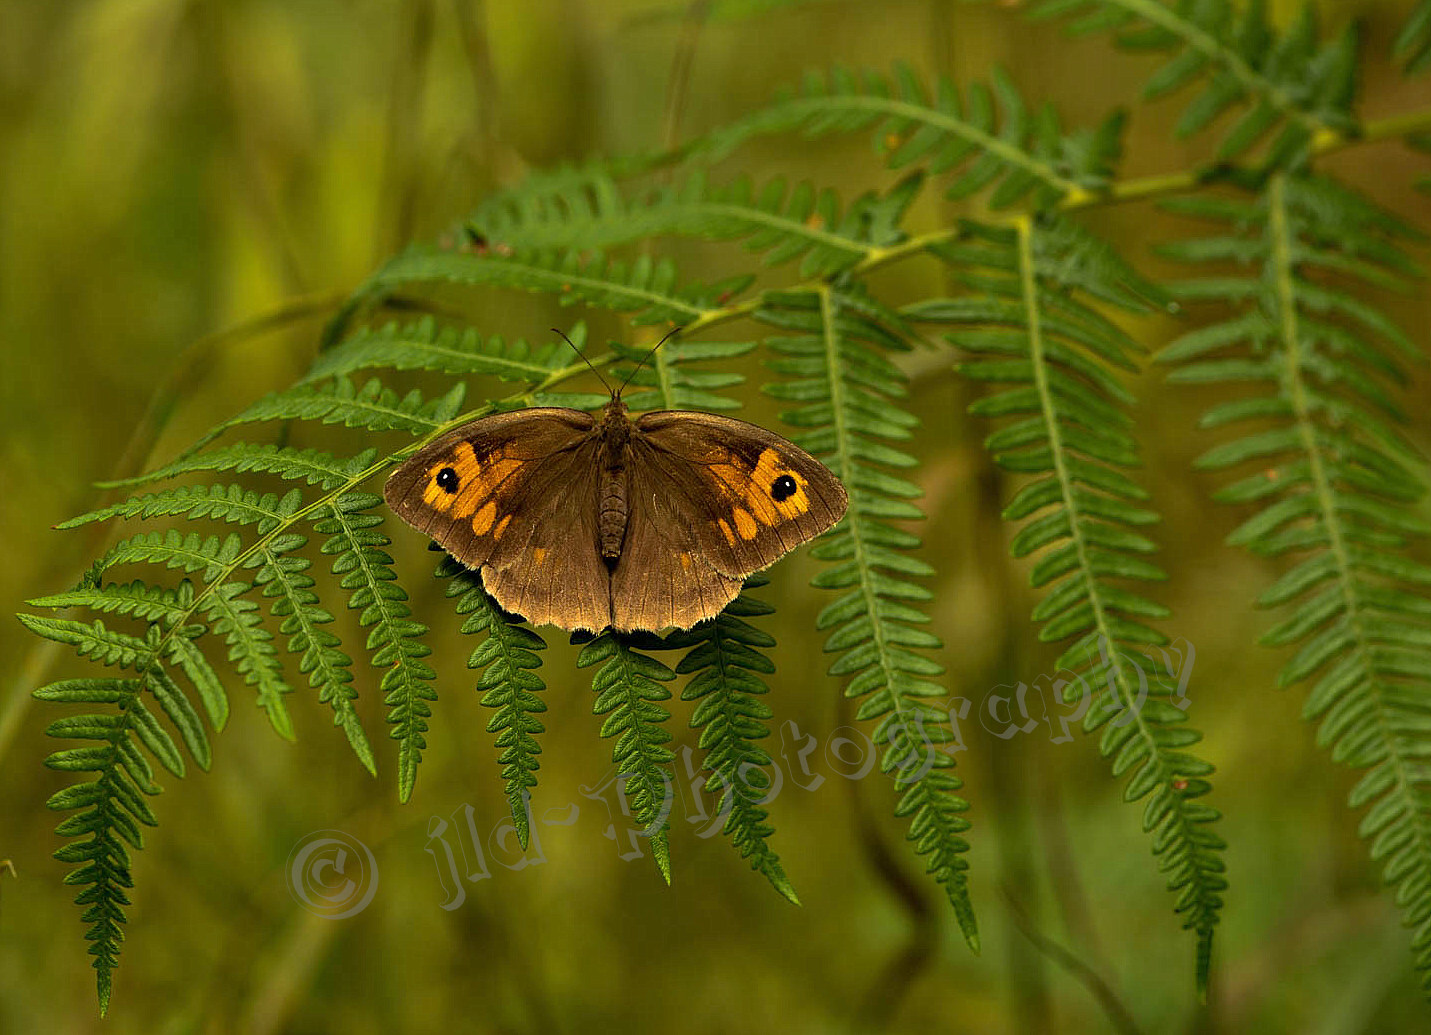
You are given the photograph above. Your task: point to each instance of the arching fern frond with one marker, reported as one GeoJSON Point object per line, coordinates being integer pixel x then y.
{"type": "Point", "coordinates": [1291, 80]}
{"type": "Point", "coordinates": [843, 385]}
{"type": "Point", "coordinates": [1030, 331]}
{"type": "Point", "coordinates": [509, 684]}
{"type": "Point", "coordinates": [987, 136]}
{"type": "Point", "coordinates": [782, 223]}
{"type": "Point", "coordinates": [1333, 489]}
{"type": "Point", "coordinates": [629, 688]}
{"type": "Point", "coordinates": [232, 504]}
{"type": "Point", "coordinates": [429, 345]}
{"type": "Point", "coordinates": [645, 288]}
{"type": "Point", "coordinates": [313, 466]}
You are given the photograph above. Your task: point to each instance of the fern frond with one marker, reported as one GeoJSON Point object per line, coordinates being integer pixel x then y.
{"type": "Point", "coordinates": [284, 577]}
{"type": "Point", "coordinates": [232, 504]}
{"type": "Point", "coordinates": [628, 688]}
{"type": "Point", "coordinates": [671, 382]}
{"type": "Point", "coordinates": [1291, 80]}
{"type": "Point", "coordinates": [395, 638]}
{"type": "Point", "coordinates": [1031, 332]}
{"type": "Point", "coordinates": [428, 345]}
{"type": "Point", "coordinates": [1333, 491]}
{"type": "Point", "coordinates": [251, 649]}
{"type": "Point", "coordinates": [308, 465]}
{"type": "Point", "coordinates": [645, 288]}
{"type": "Point", "coordinates": [110, 808]}
{"type": "Point", "coordinates": [509, 684]}
{"type": "Point", "coordinates": [724, 660]}
{"type": "Point", "coordinates": [988, 135]}
{"type": "Point", "coordinates": [838, 375]}
{"type": "Point", "coordinates": [168, 606]}
{"type": "Point", "coordinates": [784, 224]}
{"type": "Point", "coordinates": [373, 407]}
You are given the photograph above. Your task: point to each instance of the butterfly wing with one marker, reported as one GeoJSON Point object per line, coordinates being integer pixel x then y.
{"type": "Point", "coordinates": [514, 496]}
{"type": "Point", "coordinates": [712, 499]}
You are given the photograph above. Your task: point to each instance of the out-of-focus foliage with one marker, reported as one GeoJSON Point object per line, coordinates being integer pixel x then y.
{"type": "Point", "coordinates": [174, 168]}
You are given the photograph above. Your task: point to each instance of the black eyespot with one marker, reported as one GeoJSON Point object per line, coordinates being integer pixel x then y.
{"type": "Point", "coordinates": [447, 480]}
{"type": "Point", "coordinates": [783, 488]}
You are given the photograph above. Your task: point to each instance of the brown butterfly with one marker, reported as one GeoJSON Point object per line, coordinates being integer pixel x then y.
{"type": "Point", "coordinates": [587, 523]}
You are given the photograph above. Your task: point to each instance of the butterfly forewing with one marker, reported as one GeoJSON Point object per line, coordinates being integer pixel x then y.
{"type": "Point", "coordinates": [751, 495]}
{"type": "Point", "coordinates": [514, 496]}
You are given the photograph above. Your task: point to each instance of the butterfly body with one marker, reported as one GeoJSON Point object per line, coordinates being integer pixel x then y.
{"type": "Point", "coordinates": [588, 523]}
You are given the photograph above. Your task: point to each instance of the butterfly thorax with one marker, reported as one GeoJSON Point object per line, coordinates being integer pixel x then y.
{"type": "Point", "coordinates": [615, 434]}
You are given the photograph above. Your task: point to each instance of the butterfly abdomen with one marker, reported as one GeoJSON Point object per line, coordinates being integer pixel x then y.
{"type": "Point", "coordinates": [612, 507]}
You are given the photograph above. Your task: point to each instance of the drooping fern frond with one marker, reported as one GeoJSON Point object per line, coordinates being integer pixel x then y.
{"type": "Point", "coordinates": [985, 137]}
{"type": "Point", "coordinates": [782, 223]}
{"type": "Point", "coordinates": [1334, 489]}
{"type": "Point", "coordinates": [842, 384]}
{"type": "Point", "coordinates": [629, 688]}
{"type": "Point", "coordinates": [109, 808]}
{"type": "Point", "coordinates": [1291, 80]}
{"type": "Point", "coordinates": [1031, 332]}
{"type": "Point", "coordinates": [724, 661]}
{"type": "Point", "coordinates": [509, 684]}
{"type": "Point", "coordinates": [395, 638]}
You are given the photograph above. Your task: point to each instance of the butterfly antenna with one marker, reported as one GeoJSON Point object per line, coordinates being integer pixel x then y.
{"type": "Point", "coordinates": [669, 334]}
{"type": "Point", "coordinates": [604, 383]}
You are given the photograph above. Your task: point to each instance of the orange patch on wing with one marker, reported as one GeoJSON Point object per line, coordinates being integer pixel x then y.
{"type": "Point", "coordinates": [476, 480]}
{"type": "Point", "coordinates": [745, 524]}
{"type": "Point", "coordinates": [768, 470]}
{"type": "Point", "coordinates": [727, 531]}
{"type": "Point", "coordinates": [685, 562]}
{"type": "Point", "coordinates": [539, 554]}
{"type": "Point", "coordinates": [501, 526]}
{"type": "Point", "coordinates": [482, 520]}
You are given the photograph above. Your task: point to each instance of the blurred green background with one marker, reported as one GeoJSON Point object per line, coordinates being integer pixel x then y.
{"type": "Point", "coordinates": [175, 168]}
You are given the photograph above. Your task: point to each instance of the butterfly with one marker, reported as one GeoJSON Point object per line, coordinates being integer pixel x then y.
{"type": "Point", "coordinates": [589, 523]}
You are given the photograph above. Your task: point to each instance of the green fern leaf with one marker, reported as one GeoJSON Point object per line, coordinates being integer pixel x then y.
{"type": "Point", "coordinates": [628, 688]}
{"type": "Point", "coordinates": [309, 465]}
{"type": "Point", "coordinates": [645, 288]}
{"type": "Point", "coordinates": [428, 345]}
{"type": "Point", "coordinates": [396, 638]}
{"type": "Point", "coordinates": [509, 684]}
{"type": "Point", "coordinates": [1031, 333]}
{"type": "Point", "coordinates": [989, 136]}
{"type": "Point", "coordinates": [232, 504]}
{"type": "Point", "coordinates": [1290, 81]}
{"type": "Point", "coordinates": [285, 578]}
{"type": "Point", "coordinates": [837, 373]}
{"type": "Point", "coordinates": [724, 660]}
{"type": "Point", "coordinates": [570, 210]}
{"type": "Point", "coordinates": [1333, 494]}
